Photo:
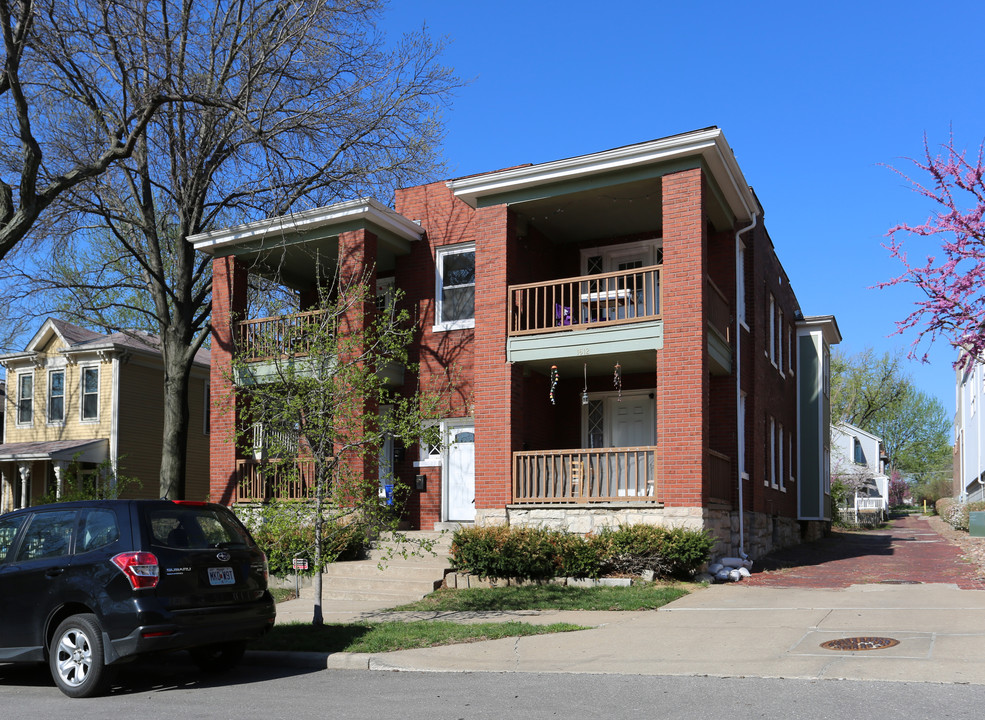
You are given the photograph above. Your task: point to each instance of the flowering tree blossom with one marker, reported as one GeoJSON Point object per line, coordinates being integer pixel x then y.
{"type": "Point", "coordinates": [898, 489]}
{"type": "Point", "coordinates": [953, 283]}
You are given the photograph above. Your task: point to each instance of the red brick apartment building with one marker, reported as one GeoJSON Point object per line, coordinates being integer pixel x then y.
{"type": "Point", "coordinates": [623, 342]}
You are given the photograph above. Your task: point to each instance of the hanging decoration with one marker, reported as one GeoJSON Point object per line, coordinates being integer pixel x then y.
{"type": "Point", "coordinates": [584, 390]}
{"type": "Point", "coordinates": [554, 379]}
{"type": "Point", "coordinates": [617, 381]}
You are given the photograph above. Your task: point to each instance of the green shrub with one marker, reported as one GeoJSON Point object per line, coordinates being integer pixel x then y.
{"type": "Point", "coordinates": [943, 506]}
{"type": "Point", "coordinates": [528, 553]}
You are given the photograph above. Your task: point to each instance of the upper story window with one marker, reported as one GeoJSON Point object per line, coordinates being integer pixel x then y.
{"type": "Point", "coordinates": [771, 322]}
{"type": "Point", "coordinates": [90, 393]}
{"type": "Point", "coordinates": [56, 396]}
{"type": "Point", "coordinates": [385, 288]}
{"type": "Point", "coordinates": [825, 370]}
{"type": "Point", "coordinates": [859, 453]}
{"type": "Point", "coordinates": [455, 287]}
{"type": "Point", "coordinates": [779, 339]}
{"type": "Point", "coordinates": [25, 399]}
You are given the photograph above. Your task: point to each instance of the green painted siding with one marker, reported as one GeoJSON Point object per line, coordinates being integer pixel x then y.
{"type": "Point", "coordinates": [809, 374]}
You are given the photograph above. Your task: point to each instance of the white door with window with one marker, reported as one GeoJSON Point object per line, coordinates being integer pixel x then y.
{"type": "Point", "coordinates": [460, 474]}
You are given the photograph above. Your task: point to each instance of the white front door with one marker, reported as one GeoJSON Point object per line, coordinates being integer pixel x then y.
{"type": "Point", "coordinates": [608, 421]}
{"type": "Point", "coordinates": [460, 474]}
{"type": "Point", "coordinates": [631, 420]}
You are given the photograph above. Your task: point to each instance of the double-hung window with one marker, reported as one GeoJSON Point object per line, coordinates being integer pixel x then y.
{"type": "Point", "coordinates": [90, 393]}
{"type": "Point", "coordinates": [56, 396]}
{"type": "Point", "coordinates": [25, 399]}
{"type": "Point", "coordinates": [455, 287]}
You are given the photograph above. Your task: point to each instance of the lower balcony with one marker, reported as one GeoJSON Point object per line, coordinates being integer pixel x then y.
{"type": "Point", "coordinates": [606, 475]}
{"type": "Point", "coordinates": [262, 480]}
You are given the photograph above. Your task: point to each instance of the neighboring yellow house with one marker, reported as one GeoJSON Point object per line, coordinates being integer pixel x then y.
{"type": "Point", "coordinates": [77, 396]}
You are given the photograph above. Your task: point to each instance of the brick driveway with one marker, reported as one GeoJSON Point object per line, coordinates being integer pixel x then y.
{"type": "Point", "coordinates": [908, 552]}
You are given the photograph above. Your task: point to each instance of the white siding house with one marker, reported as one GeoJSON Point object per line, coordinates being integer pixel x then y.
{"type": "Point", "coordinates": [969, 435]}
{"type": "Point", "coordinates": [858, 455]}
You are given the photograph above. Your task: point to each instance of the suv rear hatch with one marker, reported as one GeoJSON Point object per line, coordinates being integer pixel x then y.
{"type": "Point", "coordinates": [206, 557]}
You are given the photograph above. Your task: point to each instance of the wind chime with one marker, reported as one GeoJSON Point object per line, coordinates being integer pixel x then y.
{"type": "Point", "coordinates": [617, 381]}
{"type": "Point", "coordinates": [554, 379]}
{"type": "Point", "coordinates": [584, 390]}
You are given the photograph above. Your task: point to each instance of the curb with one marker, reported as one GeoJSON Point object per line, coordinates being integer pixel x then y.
{"type": "Point", "coordinates": [310, 660]}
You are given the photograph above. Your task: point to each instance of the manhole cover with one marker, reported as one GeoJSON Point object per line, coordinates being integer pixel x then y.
{"type": "Point", "coordinates": [860, 643]}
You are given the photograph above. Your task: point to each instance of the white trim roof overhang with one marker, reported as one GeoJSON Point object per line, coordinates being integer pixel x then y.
{"type": "Point", "coordinates": [826, 324]}
{"type": "Point", "coordinates": [86, 450]}
{"type": "Point", "coordinates": [365, 210]}
{"type": "Point", "coordinates": [708, 145]}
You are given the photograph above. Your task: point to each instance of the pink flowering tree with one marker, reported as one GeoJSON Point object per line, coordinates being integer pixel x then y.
{"type": "Point", "coordinates": [898, 489]}
{"type": "Point", "coordinates": [951, 274]}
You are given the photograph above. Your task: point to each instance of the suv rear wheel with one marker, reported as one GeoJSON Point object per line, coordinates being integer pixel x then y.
{"type": "Point", "coordinates": [76, 657]}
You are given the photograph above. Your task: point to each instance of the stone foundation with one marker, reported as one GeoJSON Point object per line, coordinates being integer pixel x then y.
{"type": "Point", "coordinates": [762, 533]}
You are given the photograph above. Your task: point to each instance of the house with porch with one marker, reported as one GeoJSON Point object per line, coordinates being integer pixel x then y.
{"type": "Point", "coordinates": [86, 402]}
{"type": "Point", "coordinates": [859, 459]}
{"type": "Point", "coordinates": [621, 339]}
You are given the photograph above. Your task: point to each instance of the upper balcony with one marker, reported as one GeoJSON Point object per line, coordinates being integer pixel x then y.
{"type": "Point", "coordinates": [266, 346]}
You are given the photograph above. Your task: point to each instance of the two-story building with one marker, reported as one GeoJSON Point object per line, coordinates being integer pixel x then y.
{"type": "Point", "coordinates": [623, 343]}
{"type": "Point", "coordinates": [969, 440]}
{"type": "Point", "coordinates": [81, 401]}
{"type": "Point", "coordinates": [859, 458]}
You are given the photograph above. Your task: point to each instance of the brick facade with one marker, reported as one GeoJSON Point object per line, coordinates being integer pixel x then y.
{"type": "Point", "coordinates": [695, 405]}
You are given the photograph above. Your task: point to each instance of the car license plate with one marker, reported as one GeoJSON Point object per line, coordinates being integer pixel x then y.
{"type": "Point", "coordinates": [221, 576]}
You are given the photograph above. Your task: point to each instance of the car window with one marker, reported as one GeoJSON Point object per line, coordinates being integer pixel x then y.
{"type": "Point", "coordinates": [48, 535]}
{"type": "Point", "coordinates": [195, 528]}
{"type": "Point", "coordinates": [99, 528]}
{"type": "Point", "coordinates": [8, 534]}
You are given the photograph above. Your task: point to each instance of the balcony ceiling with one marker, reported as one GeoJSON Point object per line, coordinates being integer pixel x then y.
{"type": "Point", "coordinates": [612, 211]}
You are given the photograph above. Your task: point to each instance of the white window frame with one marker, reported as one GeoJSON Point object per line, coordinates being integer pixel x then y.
{"type": "Point", "coordinates": [779, 448]}
{"type": "Point", "coordinates": [790, 457]}
{"type": "Point", "coordinates": [48, 395]}
{"type": "Point", "coordinates": [825, 370]}
{"type": "Point", "coordinates": [384, 290]}
{"type": "Point", "coordinates": [790, 349]}
{"type": "Point", "coordinates": [82, 393]}
{"type": "Point", "coordinates": [772, 460]}
{"type": "Point", "coordinates": [17, 409]}
{"type": "Point", "coordinates": [434, 457]}
{"type": "Point", "coordinates": [771, 350]}
{"type": "Point", "coordinates": [779, 341]}
{"type": "Point", "coordinates": [440, 254]}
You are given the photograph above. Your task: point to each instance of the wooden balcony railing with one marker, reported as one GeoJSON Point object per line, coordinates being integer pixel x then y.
{"type": "Point", "coordinates": [590, 300]}
{"type": "Point", "coordinates": [720, 471]}
{"type": "Point", "coordinates": [276, 337]}
{"type": "Point", "coordinates": [258, 481]}
{"type": "Point", "coordinates": [585, 476]}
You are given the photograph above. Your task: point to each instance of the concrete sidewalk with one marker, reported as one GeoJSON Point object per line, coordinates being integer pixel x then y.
{"type": "Point", "coordinates": [722, 630]}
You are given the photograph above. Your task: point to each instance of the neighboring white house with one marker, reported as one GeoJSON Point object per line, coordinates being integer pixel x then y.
{"type": "Point", "coordinates": [858, 455]}
{"type": "Point", "coordinates": [969, 435]}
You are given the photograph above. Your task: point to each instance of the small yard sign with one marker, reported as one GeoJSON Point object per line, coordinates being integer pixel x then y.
{"type": "Point", "coordinates": [300, 563]}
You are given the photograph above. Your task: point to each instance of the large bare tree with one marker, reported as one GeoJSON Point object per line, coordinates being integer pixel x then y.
{"type": "Point", "coordinates": [316, 106]}
{"type": "Point", "coordinates": [72, 102]}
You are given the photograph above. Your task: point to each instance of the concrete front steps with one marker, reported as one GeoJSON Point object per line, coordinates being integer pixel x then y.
{"type": "Point", "coordinates": [386, 576]}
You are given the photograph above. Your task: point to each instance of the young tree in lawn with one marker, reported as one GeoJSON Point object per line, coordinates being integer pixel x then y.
{"type": "Point", "coordinates": [317, 415]}
{"type": "Point", "coordinates": [316, 106]}
{"type": "Point", "coordinates": [948, 264]}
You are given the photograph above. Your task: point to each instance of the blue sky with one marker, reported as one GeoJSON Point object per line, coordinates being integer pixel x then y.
{"type": "Point", "coordinates": [815, 102]}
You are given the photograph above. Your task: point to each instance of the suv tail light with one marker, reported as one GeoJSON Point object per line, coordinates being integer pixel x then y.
{"type": "Point", "coordinates": [140, 568]}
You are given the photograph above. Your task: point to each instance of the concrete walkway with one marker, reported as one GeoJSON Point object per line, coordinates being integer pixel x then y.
{"type": "Point", "coordinates": [770, 626]}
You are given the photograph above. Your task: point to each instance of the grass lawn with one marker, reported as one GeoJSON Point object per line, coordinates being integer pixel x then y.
{"type": "Point", "coordinates": [639, 596]}
{"type": "Point", "coordinates": [386, 636]}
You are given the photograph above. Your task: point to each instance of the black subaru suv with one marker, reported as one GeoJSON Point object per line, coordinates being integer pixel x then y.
{"type": "Point", "coordinates": [88, 585]}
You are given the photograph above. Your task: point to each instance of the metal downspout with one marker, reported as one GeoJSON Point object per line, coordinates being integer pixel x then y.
{"type": "Point", "coordinates": [741, 454]}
